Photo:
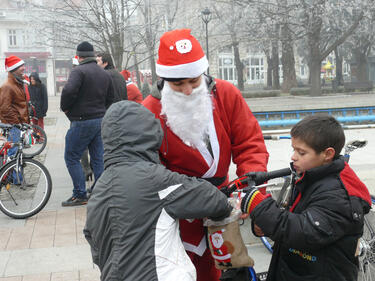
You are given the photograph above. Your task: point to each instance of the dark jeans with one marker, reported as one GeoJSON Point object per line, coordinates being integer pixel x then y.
{"type": "Point", "coordinates": [15, 136]}
{"type": "Point", "coordinates": [83, 134]}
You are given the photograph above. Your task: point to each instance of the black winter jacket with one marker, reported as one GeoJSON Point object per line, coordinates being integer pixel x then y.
{"type": "Point", "coordinates": [88, 92]}
{"type": "Point", "coordinates": [316, 239]}
{"type": "Point", "coordinates": [119, 85]}
{"type": "Point", "coordinates": [38, 96]}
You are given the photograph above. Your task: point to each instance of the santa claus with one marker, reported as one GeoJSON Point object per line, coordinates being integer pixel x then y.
{"type": "Point", "coordinates": [221, 250]}
{"type": "Point", "coordinates": [206, 124]}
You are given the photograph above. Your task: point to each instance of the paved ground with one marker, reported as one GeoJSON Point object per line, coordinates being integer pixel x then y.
{"type": "Point", "coordinates": [51, 246]}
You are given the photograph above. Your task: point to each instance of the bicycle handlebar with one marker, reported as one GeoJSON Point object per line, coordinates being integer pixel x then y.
{"type": "Point", "coordinates": [253, 179]}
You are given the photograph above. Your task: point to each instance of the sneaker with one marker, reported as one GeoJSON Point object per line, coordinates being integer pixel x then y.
{"type": "Point", "coordinates": [74, 201]}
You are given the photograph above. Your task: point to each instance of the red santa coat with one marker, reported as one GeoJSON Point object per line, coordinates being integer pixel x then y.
{"type": "Point", "coordinates": [234, 133]}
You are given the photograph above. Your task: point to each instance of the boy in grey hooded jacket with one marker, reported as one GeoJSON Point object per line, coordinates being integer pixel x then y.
{"type": "Point", "coordinates": [133, 212]}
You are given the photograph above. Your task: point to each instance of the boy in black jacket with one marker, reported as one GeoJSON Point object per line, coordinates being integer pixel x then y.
{"type": "Point", "coordinates": [316, 237]}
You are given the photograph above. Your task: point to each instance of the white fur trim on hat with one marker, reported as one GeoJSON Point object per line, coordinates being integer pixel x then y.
{"type": "Point", "coordinates": [187, 70]}
{"type": "Point", "coordinates": [16, 65]}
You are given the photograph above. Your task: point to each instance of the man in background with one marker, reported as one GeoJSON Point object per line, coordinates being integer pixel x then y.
{"type": "Point", "coordinates": [85, 99]}
{"type": "Point", "coordinates": [13, 101]}
{"type": "Point", "coordinates": [105, 61]}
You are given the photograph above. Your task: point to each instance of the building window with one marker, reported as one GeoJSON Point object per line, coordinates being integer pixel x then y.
{"type": "Point", "coordinates": [255, 69]}
{"type": "Point", "coordinates": [12, 38]}
{"type": "Point", "coordinates": [227, 68]}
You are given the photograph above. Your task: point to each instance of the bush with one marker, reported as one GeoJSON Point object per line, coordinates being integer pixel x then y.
{"type": "Point", "coordinates": [302, 91]}
{"type": "Point", "coordinates": [305, 91]}
{"type": "Point", "coordinates": [261, 93]}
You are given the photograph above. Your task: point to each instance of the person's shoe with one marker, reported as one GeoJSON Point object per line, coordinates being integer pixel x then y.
{"type": "Point", "coordinates": [74, 201]}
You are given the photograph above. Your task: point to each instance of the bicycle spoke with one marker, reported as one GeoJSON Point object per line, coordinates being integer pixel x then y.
{"type": "Point", "coordinates": [28, 189]}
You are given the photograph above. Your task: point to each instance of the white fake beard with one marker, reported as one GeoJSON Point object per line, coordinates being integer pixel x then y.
{"type": "Point", "coordinates": [188, 116]}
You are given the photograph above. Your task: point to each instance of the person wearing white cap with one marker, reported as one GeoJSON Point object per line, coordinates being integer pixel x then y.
{"type": "Point", "coordinates": [206, 124]}
{"type": "Point", "coordinates": [13, 102]}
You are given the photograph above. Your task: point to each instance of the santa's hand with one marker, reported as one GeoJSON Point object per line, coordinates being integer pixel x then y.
{"type": "Point", "coordinates": [252, 198]}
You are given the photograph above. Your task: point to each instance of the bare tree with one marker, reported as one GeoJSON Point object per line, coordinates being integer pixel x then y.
{"type": "Point", "coordinates": [232, 21]}
{"type": "Point", "coordinates": [320, 42]}
{"type": "Point", "coordinates": [157, 18]}
{"type": "Point", "coordinates": [101, 22]}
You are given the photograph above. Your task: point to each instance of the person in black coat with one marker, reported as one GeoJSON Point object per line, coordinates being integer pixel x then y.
{"type": "Point", "coordinates": [85, 98]}
{"type": "Point", "coordinates": [39, 99]}
{"type": "Point", "coordinates": [105, 61]}
{"type": "Point", "coordinates": [316, 235]}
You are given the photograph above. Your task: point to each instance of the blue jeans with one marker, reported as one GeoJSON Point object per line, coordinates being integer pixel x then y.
{"type": "Point", "coordinates": [15, 136]}
{"type": "Point", "coordinates": [83, 134]}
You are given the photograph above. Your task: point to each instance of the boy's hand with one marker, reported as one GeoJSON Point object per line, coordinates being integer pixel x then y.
{"type": "Point", "coordinates": [252, 198]}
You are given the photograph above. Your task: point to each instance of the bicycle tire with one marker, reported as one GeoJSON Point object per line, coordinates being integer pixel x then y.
{"type": "Point", "coordinates": [32, 192]}
{"type": "Point", "coordinates": [367, 248]}
{"type": "Point", "coordinates": [38, 144]}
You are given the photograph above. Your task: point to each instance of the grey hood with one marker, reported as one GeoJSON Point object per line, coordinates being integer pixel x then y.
{"type": "Point", "coordinates": [130, 133]}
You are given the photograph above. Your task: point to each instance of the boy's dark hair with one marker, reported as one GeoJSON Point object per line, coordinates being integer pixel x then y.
{"type": "Point", "coordinates": [320, 132]}
{"type": "Point", "coordinates": [106, 58]}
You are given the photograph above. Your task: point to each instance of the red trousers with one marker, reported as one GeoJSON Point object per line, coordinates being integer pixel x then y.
{"type": "Point", "coordinates": [205, 266]}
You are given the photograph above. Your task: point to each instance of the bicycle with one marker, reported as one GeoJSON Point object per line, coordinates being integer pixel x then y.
{"type": "Point", "coordinates": [253, 179]}
{"type": "Point", "coordinates": [25, 183]}
{"type": "Point", "coordinates": [36, 137]}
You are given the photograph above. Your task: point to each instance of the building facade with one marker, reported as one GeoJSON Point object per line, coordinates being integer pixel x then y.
{"type": "Point", "coordinates": [17, 37]}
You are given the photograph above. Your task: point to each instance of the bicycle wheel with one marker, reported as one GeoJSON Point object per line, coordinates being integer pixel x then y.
{"type": "Point", "coordinates": [36, 143]}
{"type": "Point", "coordinates": [24, 189]}
{"type": "Point", "coordinates": [367, 249]}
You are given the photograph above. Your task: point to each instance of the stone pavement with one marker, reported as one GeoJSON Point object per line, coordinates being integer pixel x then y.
{"type": "Point", "coordinates": [50, 246]}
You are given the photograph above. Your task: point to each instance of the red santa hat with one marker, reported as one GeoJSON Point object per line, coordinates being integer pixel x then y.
{"type": "Point", "coordinates": [126, 74]}
{"type": "Point", "coordinates": [13, 62]}
{"type": "Point", "coordinates": [75, 60]}
{"type": "Point", "coordinates": [180, 55]}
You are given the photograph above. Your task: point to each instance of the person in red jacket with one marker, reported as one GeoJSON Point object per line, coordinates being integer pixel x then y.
{"type": "Point", "coordinates": [134, 94]}
{"type": "Point", "coordinates": [207, 124]}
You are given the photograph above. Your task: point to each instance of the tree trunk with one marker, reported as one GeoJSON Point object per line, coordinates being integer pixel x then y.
{"type": "Point", "coordinates": [269, 68]}
{"type": "Point", "coordinates": [152, 66]}
{"type": "Point", "coordinates": [139, 83]}
{"type": "Point", "coordinates": [339, 60]}
{"type": "Point", "coordinates": [275, 65]}
{"type": "Point", "coordinates": [288, 61]}
{"type": "Point", "coordinates": [239, 66]}
{"type": "Point", "coordinates": [315, 67]}
{"type": "Point", "coordinates": [362, 66]}
{"type": "Point", "coordinates": [117, 58]}
{"type": "Point", "coordinates": [315, 58]}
